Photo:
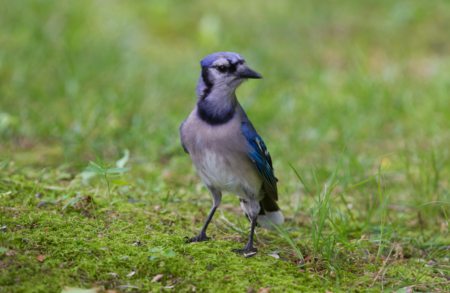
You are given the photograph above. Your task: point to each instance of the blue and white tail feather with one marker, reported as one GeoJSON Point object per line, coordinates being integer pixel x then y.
{"type": "Point", "coordinates": [275, 218]}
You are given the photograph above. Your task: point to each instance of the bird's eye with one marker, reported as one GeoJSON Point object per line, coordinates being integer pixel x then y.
{"type": "Point", "coordinates": [222, 68]}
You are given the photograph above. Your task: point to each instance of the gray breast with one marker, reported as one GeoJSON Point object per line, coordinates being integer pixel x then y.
{"type": "Point", "coordinates": [219, 154]}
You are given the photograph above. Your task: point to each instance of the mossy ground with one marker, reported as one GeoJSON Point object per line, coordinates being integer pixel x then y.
{"type": "Point", "coordinates": [368, 77]}
{"type": "Point", "coordinates": [60, 239]}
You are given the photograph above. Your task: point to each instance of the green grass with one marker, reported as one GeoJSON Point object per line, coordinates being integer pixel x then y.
{"type": "Point", "coordinates": [354, 108]}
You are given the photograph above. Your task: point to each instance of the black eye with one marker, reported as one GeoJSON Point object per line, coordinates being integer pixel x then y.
{"type": "Point", "coordinates": [222, 68]}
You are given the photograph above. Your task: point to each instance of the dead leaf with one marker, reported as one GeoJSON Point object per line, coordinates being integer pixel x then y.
{"type": "Point", "coordinates": [332, 275]}
{"type": "Point", "coordinates": [10, 253]}
{"type": "Point", "coordinates": [263, 290]}
{"type": "Point", "coordinates": [275, 255]}
{"type": "Point", "coordinates": [40, 258]}
{"type": "Point", "coordinates": [408, 289]}
{"type": "Point", "coordinates": [113, 274]}
{"type": "Point", "coordinates": [46, 230]}
{"type": "Point", "coordinates": [227, 278]}
{"type": "Point", "coordinates": [157, 278]}
{"type": "Point", "coordinates": [251, 290]}
{"type": "Point", "coordinates": [100, 236]}
{"type": "Point", "coordinates": [110, 291]}
{"type": "Point", "coordinates": [311, 276]}
{"type": "Point", "coordinates": [308, 258]}
{"type": "Point", "coordinates": [326, 291]}
{"type": "Point", "coordinates": [105, 248]}
{"type": "Point", "coordinates": [131, 274]}
{"type": "Point", "coordinates": [61, 266]}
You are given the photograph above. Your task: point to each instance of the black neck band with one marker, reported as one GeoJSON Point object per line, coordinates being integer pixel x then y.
{"type": "Point", "coordinates": [214, 118]}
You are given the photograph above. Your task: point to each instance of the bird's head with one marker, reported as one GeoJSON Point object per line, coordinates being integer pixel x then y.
{"type": "Point", "coordinates": [224, 71]}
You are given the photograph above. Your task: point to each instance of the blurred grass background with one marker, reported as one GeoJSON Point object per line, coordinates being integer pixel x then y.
{"type": "Point", "coordinates": [112, 75]}
{"type": "Point", "coordinates": [78, 76]}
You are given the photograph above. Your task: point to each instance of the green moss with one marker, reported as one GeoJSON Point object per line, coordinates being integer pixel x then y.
{"type": "Point", "coordinates": [78, 253]}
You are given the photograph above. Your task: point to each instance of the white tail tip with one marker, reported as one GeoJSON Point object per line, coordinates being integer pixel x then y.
{"type": "Point", "coordinates": [276, 218]}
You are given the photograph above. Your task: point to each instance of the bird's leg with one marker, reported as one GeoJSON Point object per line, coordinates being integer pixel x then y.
{"type": "Point", "coordinates": [202, 235]}
{"type": "Point", "coordinates": [249, 247]}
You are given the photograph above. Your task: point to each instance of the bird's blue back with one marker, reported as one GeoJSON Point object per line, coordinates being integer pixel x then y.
{"type": "Point", "coordinates": [259, 155]}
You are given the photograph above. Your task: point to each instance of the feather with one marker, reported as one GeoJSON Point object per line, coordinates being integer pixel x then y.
{"type": "Point", "coordinates": [260, 156]}
{"type": "Point", "coordinates": [181, 138]}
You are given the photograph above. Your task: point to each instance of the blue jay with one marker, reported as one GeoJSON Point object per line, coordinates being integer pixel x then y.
{"type": "Point", "coordinates": [225, 148]}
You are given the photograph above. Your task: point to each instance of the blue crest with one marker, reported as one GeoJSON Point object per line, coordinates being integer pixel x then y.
{"type": "Point", "coordinates": [233, 57]}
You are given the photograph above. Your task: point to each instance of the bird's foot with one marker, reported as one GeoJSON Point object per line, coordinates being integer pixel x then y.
{"type": "Point", "coordinates": [248, 251]}
{"type": "Point", "coordinates": [199, 238]}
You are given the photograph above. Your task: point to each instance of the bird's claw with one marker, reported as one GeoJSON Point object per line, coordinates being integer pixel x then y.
{"type": "Point", "coordinates": [199, 238]}
{"type": "Point", "coordinates": [247, 252]}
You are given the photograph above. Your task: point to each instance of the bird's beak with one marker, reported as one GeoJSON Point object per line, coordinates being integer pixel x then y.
{"type": "Point", "coordinates": [248, 73]}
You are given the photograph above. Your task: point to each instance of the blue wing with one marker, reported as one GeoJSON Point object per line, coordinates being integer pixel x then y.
{"type": "Point", "coordinates": [260, 155]}
{"type": "Point", "coordinates": [181, 138]}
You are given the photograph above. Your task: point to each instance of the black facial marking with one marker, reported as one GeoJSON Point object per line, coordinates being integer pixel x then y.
{"type": "Point", "coordinates": [214, 118]}
{"type": "Point", "coordinates": [232, 67]}
{"type": "Point", "coordinates": [205, 76]}
{"type": "Point", "coordinates": [208, 83]}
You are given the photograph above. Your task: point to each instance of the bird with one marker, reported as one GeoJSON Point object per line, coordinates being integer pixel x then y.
{"type": "Point", "coordinates": [226, 150]}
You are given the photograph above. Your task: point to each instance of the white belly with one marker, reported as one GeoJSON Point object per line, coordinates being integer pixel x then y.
{"type": "Point", "coordinates": [216, 171]}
